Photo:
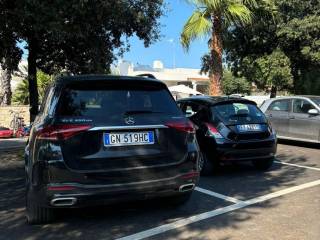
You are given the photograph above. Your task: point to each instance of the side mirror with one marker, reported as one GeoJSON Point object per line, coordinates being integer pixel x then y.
{"type": "Point", "coordinates": [313, 112]}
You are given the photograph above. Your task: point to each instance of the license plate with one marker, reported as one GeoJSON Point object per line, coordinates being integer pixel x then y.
{"type": "Point", "coordinates": [249, 127]}
{"type": "Point", "coordinates": [129, 138]}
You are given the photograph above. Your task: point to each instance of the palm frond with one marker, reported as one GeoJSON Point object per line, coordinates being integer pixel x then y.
{"type": "Point", "coordinates": [237, 13]}
{"type": "Point", "coordinates": [251, 3]}
{"type": "Point", "coordinates": [198, 25]}
{"type": "Point", "coordinates": [211, 5]}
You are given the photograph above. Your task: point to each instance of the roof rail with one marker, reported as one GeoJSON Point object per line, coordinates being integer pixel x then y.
{"type": "Point", "coordinates": [148, 75]}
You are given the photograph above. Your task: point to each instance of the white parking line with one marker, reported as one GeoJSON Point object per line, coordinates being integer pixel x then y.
{"type": "Point", "coordinates": [196, 218]}
{"type": "Point", "coordinates": [296, 165]}
{"type": "Point", "coordinates": [217, 195]}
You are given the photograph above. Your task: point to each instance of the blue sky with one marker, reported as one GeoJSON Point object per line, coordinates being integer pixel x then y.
{"type": "Point", "coordinates": [169, 47]}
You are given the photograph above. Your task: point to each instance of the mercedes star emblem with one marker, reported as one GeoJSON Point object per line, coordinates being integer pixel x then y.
{"type": "Point", "coordinates": [129, 120]}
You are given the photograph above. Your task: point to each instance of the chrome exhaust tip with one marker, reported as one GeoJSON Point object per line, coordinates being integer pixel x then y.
{"type": "Point", "coordinates": [62, 202]}
{"type": "Point", "coordinates": [187, 187]}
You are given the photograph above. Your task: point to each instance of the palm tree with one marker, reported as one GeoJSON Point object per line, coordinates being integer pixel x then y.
{"type": "Point", "coordinates": [210, 18]}
{"type": "Point", "coordinates": [5, 87]}
{"type": "Point", "coordinates": [21, 94]}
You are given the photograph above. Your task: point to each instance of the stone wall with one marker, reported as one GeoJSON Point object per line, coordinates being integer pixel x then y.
{"type": "Point", "coordinates": [6, 117]}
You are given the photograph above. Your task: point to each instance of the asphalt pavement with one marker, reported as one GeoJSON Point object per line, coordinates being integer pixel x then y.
{"type": "Point", "coordinates": [237, 203]}
{"type": "Point", "coordinates": [12, 143]}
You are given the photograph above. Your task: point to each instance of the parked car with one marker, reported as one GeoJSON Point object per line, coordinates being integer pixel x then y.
{"type": "Point", "coordinates": [105, 139]}
{"type": "Point", "coordinates": [230, 130]}
{"type": "Point", "coordinates": [295, 118]}
{"type": "Point", "coordinates": [5, 132]}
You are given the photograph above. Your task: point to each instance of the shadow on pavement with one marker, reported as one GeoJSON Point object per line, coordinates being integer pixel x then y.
{"type": "Point", "coordinates": [243, 181]}
{"type": "Point", "coordinates": [117, 221]}
{"type": "Point", "coordinates": [107, 222]}
{"type": "Point", "coordinates": [299, 144]}
{"type": "Point", "coordinates": [12, 143]}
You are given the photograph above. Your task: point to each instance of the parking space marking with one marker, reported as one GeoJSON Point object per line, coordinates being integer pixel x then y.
{"type": "Point", "coordinates": [203, 216]}
{"type": "Point", "coordinates": [296, 165]}
{"type": "Point", "coordinates": [217, 195]}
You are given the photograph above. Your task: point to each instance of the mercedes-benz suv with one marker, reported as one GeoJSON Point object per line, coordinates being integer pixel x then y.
{"type": "Point", "coordinates": [104, 139]}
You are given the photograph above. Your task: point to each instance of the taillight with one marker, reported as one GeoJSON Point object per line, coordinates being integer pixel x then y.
{"type": "Point", "coordinates": [213, 132]}
{"type": "Point", "coordinates": [183, 126]}
{"type": "Point", "coordinates": [61, 132]}
{"type": "Point", "coordinates": [190, 175]}
{"type": "Point", "coordinates": [61, 188]}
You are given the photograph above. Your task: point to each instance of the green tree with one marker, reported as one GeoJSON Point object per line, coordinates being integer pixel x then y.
{"type": "Point", "coordinates": [10, 54]}
{"type": "Point", "coordinates": [311, 82]}
{"type": "Point", "coordinates": [292, 26]}
{"type": "Point", "coordinates": [21, 94]}
{"type": "Point", "coordinates": [233, 85]}
{"type": "Point", "coordinates": [300, 40]}
{"type": "Point", "coordinates": [270, 72]}
{"type": "Point", "coordinates": [212, 18]}
{"type": "Point", "coordinates": [80, 36]}
{"type": "Point", "coordinates": [43, 80]}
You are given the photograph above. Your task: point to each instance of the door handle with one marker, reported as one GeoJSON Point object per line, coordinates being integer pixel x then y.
{"type": "Point", "coordinates": [292, 117]}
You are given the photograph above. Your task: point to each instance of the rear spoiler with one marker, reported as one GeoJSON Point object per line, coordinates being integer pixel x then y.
{"type": "Point", "coordinates": [235, 100]}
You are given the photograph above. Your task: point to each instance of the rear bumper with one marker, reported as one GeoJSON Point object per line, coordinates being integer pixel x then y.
{"type": "Point", "coordinates": [87, 195]}
{"type": "Point", "coordinates": [245, 155]}
{"type": "Point", "coordinates": [52, 179]}
{"type": "Point", "coordinates": [247, 151]}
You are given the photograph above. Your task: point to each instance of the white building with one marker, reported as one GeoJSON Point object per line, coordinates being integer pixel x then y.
{"type": "Point", "coordinates": [170, 76]}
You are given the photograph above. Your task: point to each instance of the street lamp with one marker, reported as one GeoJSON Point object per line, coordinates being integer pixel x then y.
{"type": "Point", "coordinates": [173, 42]}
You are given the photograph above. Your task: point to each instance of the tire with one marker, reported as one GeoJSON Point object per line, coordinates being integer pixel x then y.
{"type": "Point", "coordinates": [206, 166]}
{"type": "Point", "coordinates": [38, 215]}
{"type": "Point", "coordinates": [263, 164]}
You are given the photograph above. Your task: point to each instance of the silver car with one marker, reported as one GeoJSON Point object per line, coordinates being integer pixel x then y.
{"type": "Point", "coordinates": [294, 118]}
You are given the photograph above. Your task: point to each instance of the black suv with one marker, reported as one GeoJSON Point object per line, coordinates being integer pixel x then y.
{"type": "Point", "coordinates": [229, 130]}
{"type": "Point", "coordinates": [103, 139]}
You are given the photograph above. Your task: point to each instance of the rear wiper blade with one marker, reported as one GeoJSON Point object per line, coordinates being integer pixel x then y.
{"type": "Point", "coordinates": [140, 112]}
{"type": "Point", "coordinates": [239, 115]}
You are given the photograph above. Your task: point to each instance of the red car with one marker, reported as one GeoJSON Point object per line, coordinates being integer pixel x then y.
{"type": "Point", "coordinates": [5, 132]}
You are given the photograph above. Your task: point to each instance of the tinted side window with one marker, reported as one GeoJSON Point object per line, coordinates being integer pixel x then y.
{"type": "Point", "coordinates": [190, 109]}
{"type": "Point", "coordinates": [203, 115]}
{"type": "Point", "coordinates": [279, 105]}
{"type": "Point", "coordinates": [45, 103]}
{"type": "Point", "coordinates": [301, 106]}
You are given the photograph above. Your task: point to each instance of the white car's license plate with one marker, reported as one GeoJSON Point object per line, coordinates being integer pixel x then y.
{"type": "Point", "coordinates": [129, 138]}
{"type": "Point", "coordinates": [249, 127]}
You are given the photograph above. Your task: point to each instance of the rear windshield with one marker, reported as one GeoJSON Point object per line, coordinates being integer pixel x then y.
{"type": "Point", "coordinates": [111, 102]}
{"type": "Point", "coordinates": [237, 113]}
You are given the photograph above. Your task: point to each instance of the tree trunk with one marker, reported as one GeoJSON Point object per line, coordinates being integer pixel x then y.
{"type": "Point", "coordinates": [273, 92]}
{"type": "Point", "coordinates": [32, 78]}
{"type": "Point", "coordinates": [6, 94]}
{"type": "Point", "coordinates": [297, 82]}
{"type": "Point", "coordinates": [216, 50]}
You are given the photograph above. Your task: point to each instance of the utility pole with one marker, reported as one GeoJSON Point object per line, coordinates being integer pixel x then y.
{"type": "Point", "coordinates": [173, 42]}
